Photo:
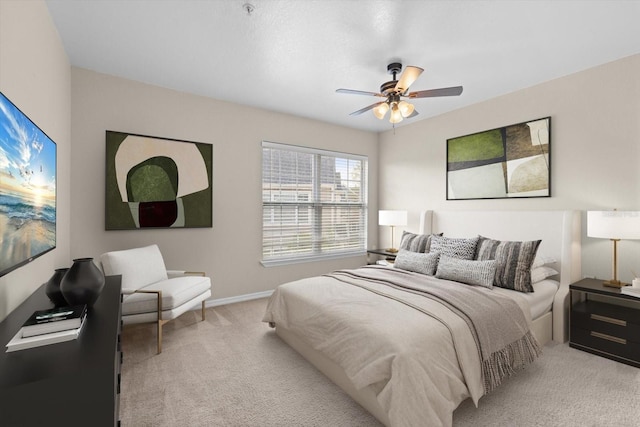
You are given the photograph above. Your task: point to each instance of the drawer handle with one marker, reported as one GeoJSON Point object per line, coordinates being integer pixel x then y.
{"type": "Point", "coordinates": [609, 320]}
{"type": "Point", "coordinates": [608, 337]}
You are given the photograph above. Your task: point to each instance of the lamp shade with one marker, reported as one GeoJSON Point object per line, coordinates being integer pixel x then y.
{"type": "Point", "coordinates": [406, 109]}
{"type": "Point", "coordinates": [381, 110]}
{"type": "Point", "coordinates": [392, 218]}
{"type": "Point", "coordinates": [396, 115]}
{"type": "Point", "coordinates": [613, 224]}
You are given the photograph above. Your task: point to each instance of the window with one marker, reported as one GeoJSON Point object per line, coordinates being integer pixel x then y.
{"type": "Point", "coordinates": [314, 204]}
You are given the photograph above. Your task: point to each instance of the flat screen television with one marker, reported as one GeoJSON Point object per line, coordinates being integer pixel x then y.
{"type": "Point", "coordinates": [27, 189]}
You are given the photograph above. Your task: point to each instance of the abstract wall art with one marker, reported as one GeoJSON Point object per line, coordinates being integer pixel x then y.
{"type": "Point", "coordinates": [157, 182]}
{"type": "Point", "coordinates": [508, 162]}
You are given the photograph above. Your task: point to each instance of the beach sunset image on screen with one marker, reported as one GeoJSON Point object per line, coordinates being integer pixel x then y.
{"type": "Point", "coordinates": [27, 189]}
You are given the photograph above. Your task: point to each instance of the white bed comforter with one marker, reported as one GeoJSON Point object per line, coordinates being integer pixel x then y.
{"type": "Point", "coordinates": [420, 367]}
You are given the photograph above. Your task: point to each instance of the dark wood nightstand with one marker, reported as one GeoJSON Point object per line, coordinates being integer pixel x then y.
{"type": "Point", "coordinates": [604, 321]}
{"type": "Point", "coordinates": [388, 256]}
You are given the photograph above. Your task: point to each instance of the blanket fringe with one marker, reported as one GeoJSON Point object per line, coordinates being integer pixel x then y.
{"type": "Point", "coordinates": [503, 363]}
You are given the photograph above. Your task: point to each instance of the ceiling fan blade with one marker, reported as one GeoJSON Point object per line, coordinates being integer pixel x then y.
{"type": "Point", "coordinates": [415, 113]}
{"type": "Point", "coordinates": [409, 75]}
{"type": "Point", "coordinates": [445, 91]}
{"type": "Point", "coordinates": [370, 107]}
{"type": "Point", "coordinates": [358, 92]}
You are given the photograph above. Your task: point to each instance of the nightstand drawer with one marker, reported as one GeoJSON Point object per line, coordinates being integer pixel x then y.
{"type": "Point", "coordinates": [606, 325]}
{"type": "Point", "coordinates": [607, 343]}
{"type": "Point", "coordinates": [609, 319]}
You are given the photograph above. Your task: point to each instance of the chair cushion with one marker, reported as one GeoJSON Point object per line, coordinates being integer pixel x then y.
{"type": "Point", "coordinates": [175, 292]}
{"type": "Point", "coordinates": [139, 267]}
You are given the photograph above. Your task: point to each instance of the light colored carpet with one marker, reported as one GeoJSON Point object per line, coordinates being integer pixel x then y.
{"type": "Point", "coordinates": [232, 370]}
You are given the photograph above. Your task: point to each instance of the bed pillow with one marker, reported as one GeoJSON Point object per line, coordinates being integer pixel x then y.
{"type": "Point", "coordinates": [471, 272]}
{"type": "Point", "coordinates": [513, 262]}
{"type": "Point", "coordinates": [416, 242]}
{"type": "Point", "coordinates": [417, 262]}
{"type": "Point", "coordinates": [454, 247]}
{"type": "Point", "coordinates": [541, 260]}
{"type": "Point", "coordinates": [538, 274]}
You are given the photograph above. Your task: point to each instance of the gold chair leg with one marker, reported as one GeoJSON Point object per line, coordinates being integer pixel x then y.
{"type": "Point", "coordinates": [202, 310]}
{"type": "Point", "coordinates": [160, 321]}
{"type": "Point", "coordinates": [159, 336]}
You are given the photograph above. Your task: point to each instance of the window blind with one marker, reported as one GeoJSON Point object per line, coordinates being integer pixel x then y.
{"type": "Point", "coordinates": [314, 203]}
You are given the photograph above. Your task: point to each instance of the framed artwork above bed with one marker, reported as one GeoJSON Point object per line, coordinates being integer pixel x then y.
{"type": "Point", "coordinates": [508, 162]}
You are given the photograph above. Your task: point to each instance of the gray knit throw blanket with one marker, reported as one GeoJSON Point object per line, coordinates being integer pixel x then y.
{"type": "Point", "coordinates": [497, 323]}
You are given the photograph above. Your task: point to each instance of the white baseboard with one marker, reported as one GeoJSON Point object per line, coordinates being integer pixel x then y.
{"type": "Point", "coordinates": [239, 298]}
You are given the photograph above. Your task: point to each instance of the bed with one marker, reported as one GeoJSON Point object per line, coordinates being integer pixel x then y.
{"type": "Point", "coordinates": [406, 368]}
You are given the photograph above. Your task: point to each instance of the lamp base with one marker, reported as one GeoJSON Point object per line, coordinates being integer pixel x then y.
{"type": "Point", "coordinates": [392, 250]}
{"type": "Point", "coordinates": [614, 283]}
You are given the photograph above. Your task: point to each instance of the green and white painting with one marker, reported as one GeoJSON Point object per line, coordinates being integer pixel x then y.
{"type": "Point", "coordinates": [157, 183]}
{"type": "Point", "coordinates": [507, 162]}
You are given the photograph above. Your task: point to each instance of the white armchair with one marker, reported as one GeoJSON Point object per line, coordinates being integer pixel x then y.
{"type": "Point", "coordinates": [151, 293]}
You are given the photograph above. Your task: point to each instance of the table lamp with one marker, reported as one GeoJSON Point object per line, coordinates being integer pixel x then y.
{"type": "Point", "coordinates": [614, 225]}
{"type": "Point", "coordinates": [392, 219]}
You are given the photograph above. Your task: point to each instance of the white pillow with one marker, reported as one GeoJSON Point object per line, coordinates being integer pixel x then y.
{"type": "Point", "coordinates": [541, 260]}
{"type": "Point", "coordinates": [538, 274]}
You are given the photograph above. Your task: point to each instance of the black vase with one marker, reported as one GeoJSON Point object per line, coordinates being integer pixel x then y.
{"type": "Point", "coordinates": [52, 287]}
{"type": "Point", "coordinates": [83, 282]}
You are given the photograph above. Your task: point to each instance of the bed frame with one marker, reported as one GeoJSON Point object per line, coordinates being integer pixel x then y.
{"type": "Point", "coordinates": [560, 233]}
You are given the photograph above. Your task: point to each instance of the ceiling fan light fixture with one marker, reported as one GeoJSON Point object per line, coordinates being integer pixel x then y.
{"type": "Point", "coordinates": [381, 110]}
{"type": "Point", "coordinates": [406, 109]}
{"type": "Point", "coordinates": [393, 91]}
{"type": "Point", "coordinates": [396, 115]}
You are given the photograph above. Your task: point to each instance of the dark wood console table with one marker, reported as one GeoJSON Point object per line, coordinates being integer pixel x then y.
{"type": "Point", "coordinates": [73, 383]}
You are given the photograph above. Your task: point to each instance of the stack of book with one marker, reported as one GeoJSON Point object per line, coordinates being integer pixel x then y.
{"type": "Point", "coordinates": [49, 326]}
{"type": "Point", "coordinates": [630, 290]}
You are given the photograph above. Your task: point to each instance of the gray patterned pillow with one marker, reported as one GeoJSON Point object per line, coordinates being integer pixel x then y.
{"type": "Point", "coordinates": [416, 242]}
{"type": "Point", "coordinates": [513, 262]}
{"type": "Point", "coordinates": [417, 262]}
{"type": "Point", "coordinates": [467, 271]}
{"type": "Point", "coordinates": [454, 247]}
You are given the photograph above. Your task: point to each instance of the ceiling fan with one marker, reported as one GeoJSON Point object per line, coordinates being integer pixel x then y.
{"type": "Point", "coordinates": [395, 90]}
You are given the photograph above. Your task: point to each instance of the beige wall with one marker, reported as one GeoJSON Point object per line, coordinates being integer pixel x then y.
{"type": "Point", "coordinates": [35, 75]}
{"type": "Point", "coordinates": [595, 157]}
{"type": "Point", "coordinates": [230, 252]}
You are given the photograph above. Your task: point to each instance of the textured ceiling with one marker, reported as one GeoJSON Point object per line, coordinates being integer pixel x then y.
{"type": "Point", "coordinates": [291, 55]}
